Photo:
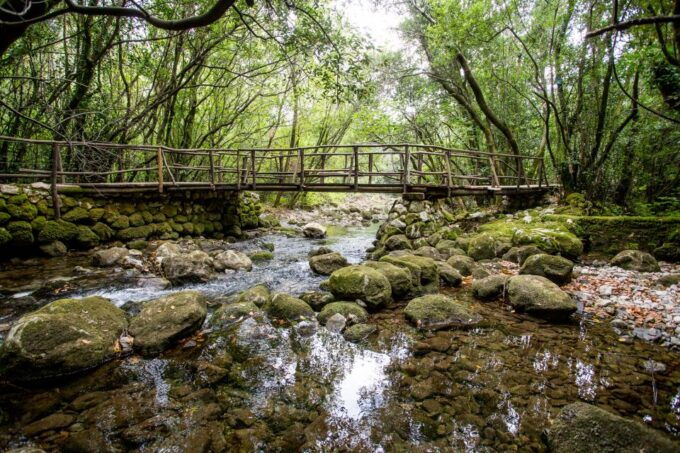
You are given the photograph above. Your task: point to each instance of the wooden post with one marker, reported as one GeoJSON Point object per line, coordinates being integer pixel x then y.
{"type": "Point", "coordinates": [420, 168]}
{"type": "Point", "coordinates": [212, 169]}
{"type": "Point", "coordinates": [238, 169]}
{"type": "Point", "coordinates": [301, 158]}
{"type": "Point", "coordinates": [355, 150]}
{"type": "Point", "coordinates": [494, 174]}
{"type": "Point", "coordinates": [252, 166]}
{"type": "Point", "coordinates": [159, 164]}
{"type": "Point", "coordinates": [322, 178]}
{"type": "Point", "coordinates": [56, 203]}
{"type": "Point", "coordinates": [370, 167]}
{"type": "Point", "coordinates": [406, 175]}
{"type": "Point", "coordinates": [447, 156]}
{"type": "Point", "coordinates": [540, 174]}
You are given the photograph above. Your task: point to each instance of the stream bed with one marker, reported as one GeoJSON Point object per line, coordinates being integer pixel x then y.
{"type": "Point", "coordinates": [263, 386]}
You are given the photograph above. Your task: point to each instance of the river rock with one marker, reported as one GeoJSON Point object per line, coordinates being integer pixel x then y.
{"type": "Point", "coordinates": [317, 299]}
{"type": "Point", "coordinates": [323, 250]}
{"type": "Point", "coordinates": [436, 311]}
{"type": "Point", "coordinates": [109, 257]}
{"type": "Point", "coordinates": [361, 282]}
{"type": "Point", "coordinates": [448, 248]}
{"type": "Point", "coordinates": [352, 312]}
{"type": "Point", "coordinates": [448, 275]}
{"type": "Point", "coordinates": [287, 307]}
{"type": "Point", "coordinates": [636, 260]}
{"type": "Point", "coordinates": [398, 242]}
{"type": "Point", "coordinates": [489, 287]}
{"type": "Point", "coordinates": [399, 277]}
{"type": "Point", "coordinates": [540, 297]}
{"type": "Point", "coordinates": [229, 313]}
{"type": "Point", "coordinates": [669, 280]}
{"type": "Point", "coordinates": [554, 268]}
{"type": "Point", "coordinates": [232, 259]}
{"type": "Point", "coordinates": [54, 248]}
{"type": "Point", "coordinates": [314, 230]}
{"type": "Point", "coordinates": [336, 323]}
{"type": "Point", "coordinates": [463, 264]}
{"type": "Point", "coordinates": [424, 271]}
{"type": "Point", "coordinates": [257, 295]}
{"type": "Point", "coordinates": [482, 247]}
{"type": "Point", "coordinates": [429, 252]}
{"type": "Point", "coordinates": [359, 332]}
{"type": "Point", "coordinates": [63, 337]}
{"type": "Point", "coordinates": [327, 263]}
{"type": "Point", "coordinates": [518, 255]}
{"type": "Point", "coordinates": [167, 319]}
{"type": "Point", "coordinates": [582, 427]}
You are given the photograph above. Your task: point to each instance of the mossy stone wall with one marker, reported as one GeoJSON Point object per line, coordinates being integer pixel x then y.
{"type": "Point", "coordinates": [27, 219]}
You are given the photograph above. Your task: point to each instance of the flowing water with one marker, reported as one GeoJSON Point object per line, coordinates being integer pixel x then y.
{"type": "Point", "coordinates": [263, 386]}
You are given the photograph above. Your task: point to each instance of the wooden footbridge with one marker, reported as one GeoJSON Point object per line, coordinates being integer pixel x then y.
{"type": "Point", "coordinates": [414, 169]}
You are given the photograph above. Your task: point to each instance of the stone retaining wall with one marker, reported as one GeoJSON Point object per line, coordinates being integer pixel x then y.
{"type": "Point", "coordinates": [27, 220]}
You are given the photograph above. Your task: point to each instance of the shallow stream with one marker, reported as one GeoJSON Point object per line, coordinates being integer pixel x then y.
{"type": "Point", "coordinates": [260, 386]}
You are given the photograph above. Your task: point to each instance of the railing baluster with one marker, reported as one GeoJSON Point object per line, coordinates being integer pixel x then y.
{"type": "Point", "coordinates": [212, 169]}
{"type": "Point", "coordinates": [355, 150]}
{"type": "Point", "coordinates": [159, 164]}
{"type": "Point", "coordinates": [238, 169]}
{"type": "Point", "coordinates": [56, 203]}
{"type": "Point", "coordinates": [447, 156]}
{"type": "Point", "coordinates": [252, 166]}
{"type": "Point", "coordinates": [301, 157]}
{"type": "Point", "coordinates": [406, 175]}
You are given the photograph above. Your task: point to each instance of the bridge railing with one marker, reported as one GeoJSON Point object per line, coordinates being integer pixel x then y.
{"type": "Point", "coordinates": [108, 167]}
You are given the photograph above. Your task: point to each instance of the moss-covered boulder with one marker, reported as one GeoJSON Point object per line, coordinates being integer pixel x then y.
{"type": "Point", "coordinates": [399, 277]}
{"type": "Point", "coordinates": [58, 230]}
{"type": "Point", "coordinates": [76, 215]}
{"type": "Point", "coordinates": [429, 252]}
{"type": "Point", "coordinates": [285, 306]}
{"type": "Point", "coordinates": [261, 256]}
{"type": "Point", "coordinates": [228, 314]}
{"type": "Point", "coordinates": [582, 427]}
{"type": "Point", "coordinates": [327, 263]}
{"type": "Point", "coordinates": [398, 242]}
{"type": "Point", "coordinates": [38, 223]}
{"type": "Point", "coordinates": [554, 268]}
{"type": "Point", "coordinates": [635, 260]}
{"type": "Point", "coordinates": [132, 233]}
{"type": "Point", "coordinates": [25, 211]}
{"type": "Point", "coordinates": [257, 295]}
{"type": "Point", "coordinates": [163, 321]}
{"type": "Point", "coordinates": [447, 248]}
{"type": "Point", "coordinates": [361, 282]}
{"type": "Point", "coordinates": [5, 237]}
{"type": "Point", "coordinates": [424, 271]}
{"type": "Point", "coordinates": [22, 233]}
{"type": "Point", "coordinates": [550, 236]}
{"type": "Point", "coordinates": [136, 220]}
{"type": "Point", "coordinates": [448, 275]}
{"type": "Point", "coordinates": [352, 312]}
{"type": "Point", "coordinates": [490, 287]}
{"type": "Point", "coordinates": [463, 264]}
{"type": "Point", "coordinates": [482, 247]}
{"type": "Point", "coordinates": [317, 299]}
{"type": "Point", "coordinates": [63, 337]}
{"type": "Point", "coordinates": [86, 238]}
{"type": "Point", "coordinates": [53, 249]}
{"type": "Point", "coordinates": [359, 332]}
{"type": "Point", "coordinates": [436, 311]}
{"type": "Point", "coordinates": [4, 218]}
{"type": "Point", "coordinates": [540, 297]}
{"type": "Point", "coordinates": [120, 222]}
{"type": "Point", "coordinates": [519, 254]}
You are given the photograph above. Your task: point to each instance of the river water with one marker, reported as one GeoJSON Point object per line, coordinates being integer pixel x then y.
{"type": "Point", "coordinates": [259, 386]}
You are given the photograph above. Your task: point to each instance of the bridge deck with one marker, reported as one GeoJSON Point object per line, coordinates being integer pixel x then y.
{"type": "Point", "coordinates": [431, 170]}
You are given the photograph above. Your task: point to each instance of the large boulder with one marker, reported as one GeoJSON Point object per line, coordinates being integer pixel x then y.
{"type": "Point", "coordinates": [63, 337]}
{"type": "Point", "coordinates": [448, 275]}
{"type": "Point", "coordinates": [232, 259]}
{"type": "Point", "coordinates": [518, 255]}
{"type": "Point", "coordinates": [109, 257]}
{"type": "Point", "coordinates": [257, 295]}
{"type": "Point", "coordinates": [463, 264]}
{"type": "Point", "coordinates": [635, 260]}
{"type": "Point", "coordinates": [429, 252]}
{"type": "Point", "coordinates": [489, 287]}
{"type": "Point", "coordinates": [195, 266]}
{"type": "Point", "coordinates": [314, 230]}
{"type": "Point", "coordinates": [540, 297]}
{"type": "Point", "coordinates": [447, 248]}
{"type": "Point", "coordinates": [361, 282]}
{"type": "Point", "coordinates": [399, 277]}
{"type": "Point", "coordinates": [482, 247]}
{"type": "Point", "coordinates": [285, 306]}
{"type": "Point", "coordinates": [582, 427]}
{"type": "Point", "coordinates": [227, 314]}
{"type": "Point", "coordinates": [436, 311]}
{"type": "Point", "coordinates": [398, 242]}
{"type": "Point", "coordinates": [424, 271]}
{"type": "Point", "coordinates": [352, 312]}
{"type": "Point", "coordinates": [327, 263]}
{"type": "Point", "coordinates": [554, 268]}
{"type": "Point", "coordinates": [167, 319]}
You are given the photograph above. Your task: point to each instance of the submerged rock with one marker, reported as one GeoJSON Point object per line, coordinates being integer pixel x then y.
{"type": "Point", "coordinates": [317, 299]}
{"type": "Point", "coordinates": [327, 263]}
{"type": "Point", "coordinates": [336, 323]}
{"type": "Point", "coordinates": [540, 297]}
{"type": "Point", "coordinates": [635, 260]}
{"type": "Point", "coordinates": [489, 287]}
{"type": "Point", "coordinates": [351, 311]}
{"type": "Point", "coordinates": [359, 332]}
{"type": "Point", "coordinates": [164, 320]}
{"type": "Point", "coordinates": [229, 313]}
{"type": "Point", "coordinates": [63, 337]}
{"type": "Point", "coordinates": [257, 295]}
{"type": "Point", "coordinates": [314, 230]}
{"type": "Point", "coordinates": [554, 268]}
{"type": "Point", "coordinates": [287, 307]}
{"type": "Point", "coordinates": [361, 282]}
{"type": "Point", "coordinates": [436, 311]}
{"type": "Point", "coordinates": [582, 427]}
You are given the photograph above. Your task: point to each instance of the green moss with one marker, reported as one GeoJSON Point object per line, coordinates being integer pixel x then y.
{"type": "Point", "coordinates": [44, 208]}
{"type": "Point", "coordinates": [550, 236]}
{"type": "Point", "coordinates": [121, 222]}
{"type": "Point", "coordinates": [86, 238]}
{"type": "Point", "coordinates": [181, 219]}
{"type": "Point", "coordinates": [436, 311]}
{"type": "Point", "coordinates": [96, 214]}
{"type": "Point", "coordinates": [24, 211]}
{"type": "Point", "coordinates": [140, 232]}
{"type": "Point", "coordinates": [188, 227]}
{"type": "Point", "coordinates": [261, 255]}
{"type": "Point", "coordinates": [127, 208]}
{"type": "Point", "coordinates": [169, 210]}
{"type": "Point", "coordinates": [136, 220]}
{"type": "Point", "coordinates": [58, 230]}
{"type": "Point", "coordinates": [199, 228]}
{"type": "Point", "coordinates": [139, 244]}
{"type": "Point", "coordinates": [103, 231]}
{"type": "Point", "coordinates": [288, 307]}
{"type": "Point", "coordinates": [38, 223]}
{"type": "Point", "coordinates": [346, 309]}
{"type": "Point", "coordinates": [4, 218]}
{"type": "Point", "coordinates": [5, 237]}
{"type": "Point", "coordinates": [163, 228]}
{"type": "Point", "coordinates": [68, 202]}
{"type": "Point", "coordinates": [176, 227]}
{"type": "Point", "coordinates": [147, 216]}
{"type": "Point", "coordinates": [361, 282]}
{"type": "Point", "coordinates": [21, 231]}
{"type": "Point", "coordinates": [76, 215]}
{"type": "Point", "coordinates": [18, 199]}
{"type": "Point", "coordinates": [159, 217]}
